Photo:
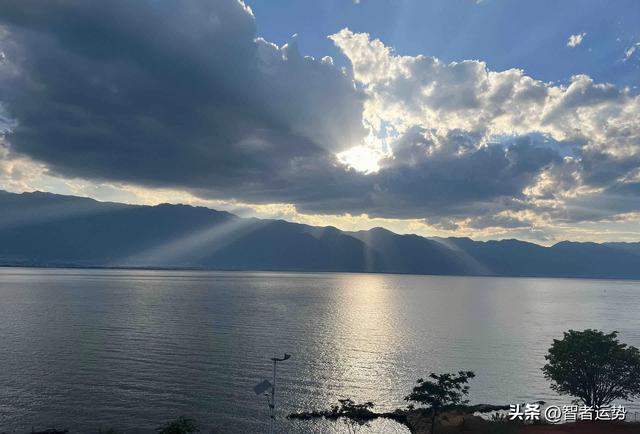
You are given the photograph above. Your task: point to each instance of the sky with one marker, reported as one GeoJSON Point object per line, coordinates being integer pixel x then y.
{"type": "Point", "coordinates": [491, 119]}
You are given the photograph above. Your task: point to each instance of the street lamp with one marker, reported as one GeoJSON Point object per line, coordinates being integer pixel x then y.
{"type": "Point", "coordinates": [265, 385]}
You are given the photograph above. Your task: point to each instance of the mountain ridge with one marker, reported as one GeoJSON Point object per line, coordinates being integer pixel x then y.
{"type": "Point", "coordinates": [46, 229]}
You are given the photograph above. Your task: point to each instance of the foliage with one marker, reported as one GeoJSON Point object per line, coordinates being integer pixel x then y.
{"type": "Point", "coordinates": [353, 415]}
{"type": "Point", "coordinates": [441, 391]}
{"type": "Point", "coordinates": [181, 425]}
{"type": "Point", "coordinates": [499, 417]}
{"type": "Point", "coordinates": [594, 367]}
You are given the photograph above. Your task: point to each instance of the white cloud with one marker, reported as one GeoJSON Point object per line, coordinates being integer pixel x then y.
{"type": "Point", "coordinates": [629, 52]}
{"type": "Point", "coordinates": [407, 91]}
{"type": "Point", "coordinates": [461, 108]}
{"type": "Point", "coordinates": [575, 40]}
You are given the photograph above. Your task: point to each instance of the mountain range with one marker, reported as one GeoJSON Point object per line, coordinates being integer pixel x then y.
{"type": "Point", "coordinates": [44, 229]}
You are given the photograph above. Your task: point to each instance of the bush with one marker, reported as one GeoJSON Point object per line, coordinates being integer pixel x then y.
{"type": "Point", "coordinates": [181, 425]}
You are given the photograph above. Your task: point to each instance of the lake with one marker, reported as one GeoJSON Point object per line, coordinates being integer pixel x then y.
{"type": "Point", "coordinates": [92, 349]}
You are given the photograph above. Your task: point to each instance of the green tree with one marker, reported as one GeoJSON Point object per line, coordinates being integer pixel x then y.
{"type": "Point", "coordinates": [354, 416]}
{"type": "Point", "coordinates": [594, 367]}
{"type": "Point", "coordinates": [181, 425]}
{"type": "Point", "coordinates": [441, 392]}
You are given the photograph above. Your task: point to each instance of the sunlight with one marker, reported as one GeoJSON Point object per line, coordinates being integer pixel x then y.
{"type": "Point", "coordinates": [196, 244]}
{"type": "Point", "coordinates": [469, 261]}
{"type": "Point", "coordinates": [366, 328]}
{"type": "Point", "coordinates": [361, 158]}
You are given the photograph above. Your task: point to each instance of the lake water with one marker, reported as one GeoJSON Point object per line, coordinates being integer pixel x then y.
{"type": "Point", "coordinates": [91, 349]}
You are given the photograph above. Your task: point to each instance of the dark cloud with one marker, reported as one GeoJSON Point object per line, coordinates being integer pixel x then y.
{"type": "Point", "coordinates": [605, 170]}
{"type": "Point", "coordinates": [182, 94]}
{"type": "Point", "coordinates": [613, 188]}
{"type": "Point", "coordinates": [432, 176]}
{"type": "Point", "coordinates": [168, 93]}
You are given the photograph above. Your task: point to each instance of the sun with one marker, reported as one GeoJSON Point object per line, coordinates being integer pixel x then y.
{"type": "Point", "coordinates": [362, 158]}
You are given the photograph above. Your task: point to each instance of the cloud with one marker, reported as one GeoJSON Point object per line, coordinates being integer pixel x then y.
{"type": "Point", "coordinates": [184, 96]}
{"type": "Point", "coordinates": [629, 52]}
{"type": "Point", "coordinates": [168, 94]}
{"type": "Point", "coordinates": [404, 91]}
{"type": "Point", "coordinates": [579, 128]}
{"type": "Point", "coordinates": [575, 40]}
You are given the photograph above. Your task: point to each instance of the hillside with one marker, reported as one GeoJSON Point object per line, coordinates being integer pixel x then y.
{"type": "Point", "coordinates": [43, 229]}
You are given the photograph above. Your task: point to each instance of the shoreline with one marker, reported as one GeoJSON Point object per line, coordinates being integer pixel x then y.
{"type": "Point", "coordinates": [257, 270]}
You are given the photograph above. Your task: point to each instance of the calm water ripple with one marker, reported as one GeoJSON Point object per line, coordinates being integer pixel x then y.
{"type": "Point", "coordinates": [91, 349]}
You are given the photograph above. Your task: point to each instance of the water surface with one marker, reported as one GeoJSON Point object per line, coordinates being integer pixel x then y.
{"type": "Point", "coordinates": [91, 349]}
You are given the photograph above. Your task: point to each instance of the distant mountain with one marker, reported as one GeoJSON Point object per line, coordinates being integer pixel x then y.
{"type": "Point", "coordinates": [43, 229]}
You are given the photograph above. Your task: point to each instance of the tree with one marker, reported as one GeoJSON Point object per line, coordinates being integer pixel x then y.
{"type": "Point", "coordinates": [594, 367]}
{"type": "Point", "coordinates": [181, 425]}
{"type": "Point", "coordinates": [353, 415]}
{"type": "Point", "coordinates": [441, 392]}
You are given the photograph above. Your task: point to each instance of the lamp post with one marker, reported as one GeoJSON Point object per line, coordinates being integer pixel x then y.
{"type": "Point", "coordinates": [272, 406]}
{"type": "Point", "coordinates": [265, 385]}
